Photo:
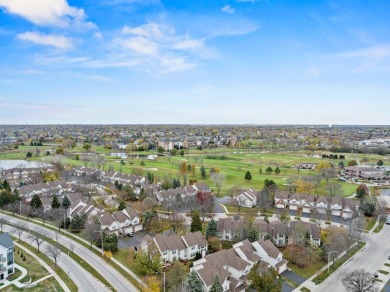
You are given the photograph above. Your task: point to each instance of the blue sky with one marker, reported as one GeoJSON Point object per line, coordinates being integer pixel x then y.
{"type": "Point", "coordinates": [200, 61]}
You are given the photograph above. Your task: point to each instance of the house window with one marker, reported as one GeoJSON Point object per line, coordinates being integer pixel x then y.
{"type": "Point", "coordinates": [174, 252]}
{"type": "Point", "coordinates": [135, 221]}
{"type": "Point", "coordinates": [193, 247]}
{"type": "Point", "coordinates": [165, 252]}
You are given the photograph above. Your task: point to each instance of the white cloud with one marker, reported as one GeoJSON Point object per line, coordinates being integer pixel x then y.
{"type": "Point", "coordinates": [158, 46]}
{"type": "Point", "coordinates": [98, 35]}
{"type": "Point", "coordinates": [371, 58]}
{"type": "Point", "coordinates": [47, 12]}
{"type": "Point", "coordinates": [54, 40]}
{"type": "Point", "coordinates": [227, 9]}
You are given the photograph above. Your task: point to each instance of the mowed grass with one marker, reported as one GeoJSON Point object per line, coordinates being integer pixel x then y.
{"type": "Point", "coordinates": [235, 165]}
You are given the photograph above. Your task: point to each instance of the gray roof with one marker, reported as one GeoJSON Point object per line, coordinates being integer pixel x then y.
{"type": "Point", "coordinates": [6, 240]}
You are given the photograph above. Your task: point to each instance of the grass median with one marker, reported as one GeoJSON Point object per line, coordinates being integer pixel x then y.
{"type": "Point", "coordinates": [338, 263]}
{"type": "Point", "coordinates": [68, 281]}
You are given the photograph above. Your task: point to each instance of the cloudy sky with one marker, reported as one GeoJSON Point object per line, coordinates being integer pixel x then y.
{"type": "Point", "coordinates": [200, 61]}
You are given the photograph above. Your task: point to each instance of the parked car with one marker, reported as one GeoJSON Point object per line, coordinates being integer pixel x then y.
{"type": "Point", "coordinates": [130, 234]}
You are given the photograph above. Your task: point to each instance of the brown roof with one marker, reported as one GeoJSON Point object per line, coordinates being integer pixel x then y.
{"type": "Point", "coordinates": [119, 216]}
{"type": "Point", "coordinates": [269, 248]}
{"type": "Point", "coordinates": [106, 219]}
{"type": "Point", "coordinates": [195, 238]}
{"type": "Point", "coordinates": [171, 242]}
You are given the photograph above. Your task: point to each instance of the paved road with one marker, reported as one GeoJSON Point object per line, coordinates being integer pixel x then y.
{"type": "Point", "coordinates": [83, 280]}
{"type": "Point", "coordinates": [119, 282]}
{"type": "Point", "coordinates": [372, 259]}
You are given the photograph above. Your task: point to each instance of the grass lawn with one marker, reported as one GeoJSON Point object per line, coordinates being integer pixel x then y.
{"type": "Point", "coordinates": [370, 222]}
{"type": "Point", "coordinates": [44, 286]}
{"type": "Point", "coordinates": [15, 275]}
{"type": "Point", "coordinates": [235, 165]}
{"type": "Point", "coordinates": [34, 269]}
{"type": "Point", "coordinates": [323, 275]}
{"type": "Point", "coordinates": [309, 270]}
{"type": "Point", "coordinates": [383, 272]}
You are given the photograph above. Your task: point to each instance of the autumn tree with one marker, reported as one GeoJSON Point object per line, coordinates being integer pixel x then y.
{"type": "Point", "coordinates": [362, 191]}
{"type": "Point", "coordinates": [147, 262]}
{"type": "Point", "coordinates": [176, 276]}
{"type": "Point", "coordinates": [304, 187]}
{"type": "Point", "coordinates": [352, 163]}
{"type": "Point", "coordinates": [263, 278]}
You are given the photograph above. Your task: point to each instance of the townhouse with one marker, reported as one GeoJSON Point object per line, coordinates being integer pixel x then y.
{"type": "Point", "coordinates": [298, 230]}
{"type": "Point", "coordinates": [246, 198]}
{"type": "Point", "coordinates": [122, 222]}
{"type": "Point", "coordinates": [335, 206]}
{"type": "Point", "coordinates": [172, 195]}
{"type": "Point", "coordinates": [174, 247]}
{"type": "Point", "coordinates": [6, 256]}
{"type": "Point", "coordinates": [233, 265]}
{"type": "Point", "coordinates": [42, 189]}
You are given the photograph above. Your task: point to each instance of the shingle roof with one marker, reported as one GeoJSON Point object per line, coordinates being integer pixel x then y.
{"type": "Point", "coordinates": [195, 238]}
{"type": "Point", "coordinates": [269, 248]}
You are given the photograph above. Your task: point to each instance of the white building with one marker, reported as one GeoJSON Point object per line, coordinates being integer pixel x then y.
{"type": "Point", "coordinates": [6, 256]}
{"type": "Point", "coordinates": [175, 247]}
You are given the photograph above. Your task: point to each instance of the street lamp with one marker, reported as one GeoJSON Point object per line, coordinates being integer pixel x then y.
{"type": "Point", "coordinates": [164, 277]}
{"type": "Point", "coordinates": [20, 208]}
{"type": "Point", "coordinates": [328, 257]}
{"type": "Point", "coordinates": [64, 219]}
{"type": "Point", "coordinates": [101, 231]}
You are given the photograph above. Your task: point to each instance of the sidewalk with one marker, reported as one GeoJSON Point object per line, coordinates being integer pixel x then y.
{"type": "Point", "coordinates": [50, 270]}
{"type": "Point", "coordinates": [313, 286]}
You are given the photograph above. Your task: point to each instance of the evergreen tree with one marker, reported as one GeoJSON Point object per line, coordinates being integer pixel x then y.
{"type": "Point", "coordinates": [122, 205]}
{"type": "Point", "coordinates": [216, 287]}
{"type": "Point", "coordinates": [269, 170]}
{"type": "Point", "coordinates": [202, 172]}
{"type": "Point", "coordinates": [16, 196]}
{"type": "Point", "coordinates": [211, 229]}
{"type": "Point", "coordinates": [277, 170]}
{"type": "Point", "coordinates": [77, 223]}
{"type": "Point", "coordinates": [306, 239]}
{"type": "Point", "coordinates": [196, 223]}
{"type": "Point", "coordinates": [36, 202]}
{"type": "Point", "coordinates": [248, 176]}
{"type": "Point", "coordinates": [142, 194]}
{"type": "Point", "coordinates": [175, 183]}
{"type": "Point", "coordinates": [150, 177]}
{"type": "Point", "coordinates": [253, 235]}
{"type": "Point", "coordinates": [194, 284]}
{"type": "Point", "coordinates": [55, 203]}
{"type": "Point", "coordinates": [66, 202]}
{"type": "Point", "coordinates": [6, 186]}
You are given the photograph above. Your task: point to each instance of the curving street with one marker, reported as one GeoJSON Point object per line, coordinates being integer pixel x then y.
{"type": "Point", "coordinates": [117, 280]}
{"type": "Point", "coordinates": [83, 280]}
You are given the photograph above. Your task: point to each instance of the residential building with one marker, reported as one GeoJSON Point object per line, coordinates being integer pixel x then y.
{"type": "Point", "coordinates": [174, 247]}
{"type": "Point", "coordinates": [247, 198]}
{"type": "Point", "coordinates": [6, 256]}
{"type": "Point", "coordinates": [122, 222]}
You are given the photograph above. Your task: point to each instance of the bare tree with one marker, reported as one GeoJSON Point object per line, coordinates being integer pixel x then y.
{"type": "Point", "coordinates": [177, 222]}
{"type": "Point", "coordinates": [328, 173]}
{"type": "Point", "coordinates": [91, 232]}
{"type": "Point", "coordinates": [359, 281]}
{"type": "Point", "coordinates": [334, 189]}
{"type": "Point", "coordinates": [3, 221]}
{"type": "Point", "coordinates": [218, 179]}
{"type": "Point", "coordinates": [72, 246]}
{"type": "Point", "coordinates": [54, 251]}
{"type": "Point", "coordinates": [20, 228]}
{"type": "Point", "coordinates": [36, 237]}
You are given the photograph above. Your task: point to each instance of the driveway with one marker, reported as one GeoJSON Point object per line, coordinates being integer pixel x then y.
{"type": "Point", "coordinates": [293, 277]}
{"type": "Point", "coordinates": [219, 201]}
{"type": "Point", "coordinates": [126, 242]}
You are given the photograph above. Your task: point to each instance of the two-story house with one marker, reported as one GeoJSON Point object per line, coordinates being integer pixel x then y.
{"type": "Point", "coordinates": [247, 198]}
{"type": "Point", "coordinates": [122, 222]}
{"type": "Point", "coordinates": [174, 247]}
